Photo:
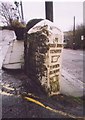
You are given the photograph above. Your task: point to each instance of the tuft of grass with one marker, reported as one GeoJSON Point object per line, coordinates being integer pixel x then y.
{"type": "Point", "coordinates": [78, 99]}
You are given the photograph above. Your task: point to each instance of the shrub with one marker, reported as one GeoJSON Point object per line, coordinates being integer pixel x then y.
{"type": "Point", "coordinates": [19, 29]}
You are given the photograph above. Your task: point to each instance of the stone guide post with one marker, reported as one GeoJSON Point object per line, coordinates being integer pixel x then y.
{"type": "Point", "coordinates": [44, 55]}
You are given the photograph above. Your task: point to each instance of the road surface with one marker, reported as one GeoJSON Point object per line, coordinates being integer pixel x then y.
{"type": "Point", "coordinates": [23, 98]}
{"type": "Point", "coordinates": [38, 104]}
{"type": "Point", "coordinates": [35, 103]}
{"type": "Point", "coordinates": [72, 62]}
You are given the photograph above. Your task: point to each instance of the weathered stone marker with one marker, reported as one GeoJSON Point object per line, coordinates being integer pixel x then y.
{"type": "Point", "coordinates": [43, 54]}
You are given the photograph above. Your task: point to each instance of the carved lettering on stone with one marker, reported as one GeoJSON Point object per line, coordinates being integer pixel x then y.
{"type": "Point", "coordinates": [54, 58]}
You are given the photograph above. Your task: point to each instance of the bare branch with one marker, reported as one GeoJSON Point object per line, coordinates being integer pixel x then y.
{"type": "Point", "coordinates": [7, 12]}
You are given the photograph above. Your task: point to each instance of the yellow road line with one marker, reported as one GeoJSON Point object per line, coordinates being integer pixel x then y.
{"type": "Point", "coordinates": [48, 108]}
{"type": "Point", "coordinates": [30, 94]}
{"type": "Point", "coordinates": [5, 93]}
{"type": "Point", "coordinates": [41, 104]}
{"type": "Point", "coordinates": [9, 88]}
{"type": "Point", "coordinates": [35, 101]}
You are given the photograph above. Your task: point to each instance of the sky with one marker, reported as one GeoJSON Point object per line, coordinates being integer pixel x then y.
{"type": "Point", "coordinates": [63, 12]}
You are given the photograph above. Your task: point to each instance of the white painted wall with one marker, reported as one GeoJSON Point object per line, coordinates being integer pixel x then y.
{"type": "Point", "coordinates": [7, 35]}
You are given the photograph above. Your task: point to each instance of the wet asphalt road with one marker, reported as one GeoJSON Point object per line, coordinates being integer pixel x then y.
{"type": "Point", "coordinates": [73, 61]}
{"type": "Point", "coordinates": [17, 84]}
{"type": "Point", "coordinates": [17, 107]}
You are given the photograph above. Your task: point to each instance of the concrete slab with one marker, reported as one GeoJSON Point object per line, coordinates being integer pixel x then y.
{"type": "Point", "coordinates": [69, 85]}
{"type": "Point", "coordinates": [3, 51]}
{"type": "Point", "coordinates": [6, 38]}
{"type": "Point", "coordinates": [13, 66]}
{"type": "Point", "coordinates": [14, 55]}
{"type": "Point", "coordinates": [7, 35]}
